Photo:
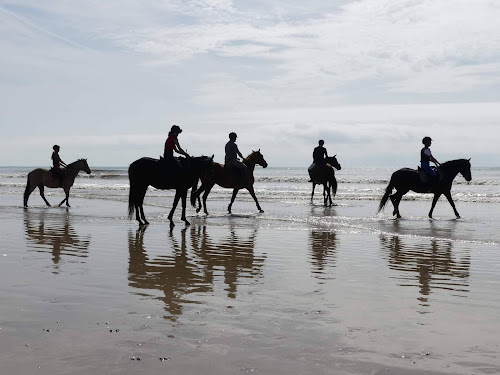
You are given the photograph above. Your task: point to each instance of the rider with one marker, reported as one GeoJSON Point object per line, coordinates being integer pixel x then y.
{"type": "Point", "coordinates": [231, 159]}
{"type": "Point", "coordinates": [426, 157]}
{"type": "Point", "coordinates": [319, 156]}
{"type": "Point", "coordinates": [58, 166]}
{"type": "Point", "coordinates": [171, 145]}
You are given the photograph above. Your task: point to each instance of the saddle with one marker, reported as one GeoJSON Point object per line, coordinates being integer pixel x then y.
{"type": "Point", "coordinates": [426, 179]}
{"type": "Point", "coordinates": [58, 174]}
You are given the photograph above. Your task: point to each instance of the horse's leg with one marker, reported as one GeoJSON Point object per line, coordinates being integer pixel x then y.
{"type": "Point", "coordinates": [205, 196]}
{"type": "Point", "coordinates": [142, 215]}
{"type": "Point", "coordinates": [329, 194]}
{"type": "Point", "coordinates": [174, 206]}
{"type": "Point", "coordinates": [450, 199]}
{"type": "Point", "coordinates": [197, 195]}
{"type": "Point", "coordinates": [183, 201]}
{"type": "Point", "coordinates": [312, 194]}
{"type": "Point", "coordinates": [434, 201]}
{"type": "Point", "coordinates": [66, 191]}
{"type": "Point", "coordinates": [41, 188]}
{"type": "Point", "coordinates": [252, 193]}
{"type": "Point", "coordinates": [235, 191]}
{"type": "Point", "coordinates": [396, 199]}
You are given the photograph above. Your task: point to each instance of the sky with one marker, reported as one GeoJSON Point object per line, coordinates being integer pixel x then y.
{"type": "Point", "coordinates": [106, 80]}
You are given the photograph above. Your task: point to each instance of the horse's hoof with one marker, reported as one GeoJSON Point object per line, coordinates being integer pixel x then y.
{"type": "Point", "coordinates": [198, 209]}
{"type": "Point", "coordinates": [172, 224]}
{"type": "Point", "coordinates": [261, 211]}
{"type": "Point", "coordinates": [187, 222]}
{"type": "Point", "coordinates": [68, 205]}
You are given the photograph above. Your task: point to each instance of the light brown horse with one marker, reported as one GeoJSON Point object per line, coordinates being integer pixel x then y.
{"type": "Point", "coordinates": [42, 177]}
{"type": "Point", "coordinates": [226, 178]}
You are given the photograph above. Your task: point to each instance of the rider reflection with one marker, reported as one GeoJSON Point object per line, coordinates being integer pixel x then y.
{"type": "Point", "coordinates": [193, 266]}
{"type": "Point", "coordinates": [47, 234]}
{"type": "Point", "coordinates": [432, 266]}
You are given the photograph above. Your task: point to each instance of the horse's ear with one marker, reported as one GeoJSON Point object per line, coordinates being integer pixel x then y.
{"type": "Point", "coordinates": [335, 155]}
{"type": "Point", "coordinates": [259, 150]}
{"type": "Point", "coordinates": [469, 159]}
{"type": "Point", "coordinates": [212, 157]}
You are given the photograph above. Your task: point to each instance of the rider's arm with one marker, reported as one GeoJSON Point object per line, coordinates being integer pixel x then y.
{"type": "Point", "coordinates": [433, 159]}
{"type": "Point", "coordinates": [239, 153]}
{"type": "Point", "coordinates": [178, 149]}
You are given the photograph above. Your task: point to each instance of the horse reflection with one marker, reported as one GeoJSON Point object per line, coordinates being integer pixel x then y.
{"type": "Point", "coordinates": [323, 251]}
{"type": "Point", "coordinates": [187, 272]}
{"type": "Point", "coordinates": [233, 254]}
{"type": "Point", "coordinates": [434, 265]}
{"type": "Point", "coordinates": [47, 233]}
{"type": "Point", "coordinates": [175, 275]}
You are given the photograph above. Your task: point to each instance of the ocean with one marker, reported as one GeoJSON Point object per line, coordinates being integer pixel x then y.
{"type": "Point", "coordinates": [301, 288]}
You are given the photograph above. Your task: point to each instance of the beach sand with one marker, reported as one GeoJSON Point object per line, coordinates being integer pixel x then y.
{"type": "Point", "coordinates": [299, 289]}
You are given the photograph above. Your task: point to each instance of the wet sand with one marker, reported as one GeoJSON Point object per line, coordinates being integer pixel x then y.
{"type": "Point", "coordinates": [298, 290]}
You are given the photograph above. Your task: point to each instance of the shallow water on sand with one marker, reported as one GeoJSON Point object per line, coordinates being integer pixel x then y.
{"type": "Point", "coordinates": [298, 289]}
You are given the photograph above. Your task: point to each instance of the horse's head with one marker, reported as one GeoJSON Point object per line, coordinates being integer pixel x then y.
{"type": "Point", "coordinates": [257, 158]}
{"type": "Point", "coordinates": [332, 160]}
{"type": "Point", "coordinates": [80, 165]}
{"type": "Point", "coordinates": [205, 163]}
{"type": "Point", "coordinates": [465, 169]}
{"type": "Point", "coordinates": [86, 167]}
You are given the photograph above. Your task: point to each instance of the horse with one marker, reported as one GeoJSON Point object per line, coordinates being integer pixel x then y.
{"type": "Point", "coordinates": [226, 178]}
{"type": "Point", "coordinates": [326, 177]}
{"type": "Point", "coordinates": [42, 177]}
{"type": "Point", "coordinates": [407, 179]}
{"type": "Point", "coordinates": [147, 172]}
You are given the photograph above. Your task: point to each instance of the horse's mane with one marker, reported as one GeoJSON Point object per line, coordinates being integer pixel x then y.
{"type": "Point", "coordinates": [252, 153]}
{"type": "Point", "coordinates": [79, 160]}
{"type": "Point", "coordinates": [450, 162]}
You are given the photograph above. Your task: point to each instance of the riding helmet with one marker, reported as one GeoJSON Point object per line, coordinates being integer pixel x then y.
{"type": "Point", "coordinates": [54, 147]}
{"type": "Point", "coordinates": [176, 129]}
{"type": "Point", "coordinates": [426, 140]}
{"type": "Point", "coordinates": [232, 134]}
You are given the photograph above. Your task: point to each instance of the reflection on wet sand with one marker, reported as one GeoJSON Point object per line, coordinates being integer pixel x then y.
{"type": "Point", "coordinates": [323, 251]}
{"type": "Point", "coordinates": [433, 266]}
{"type": "Point", "coordinates": [52, 234]}
{"type": "Point", "coordinates": [194, 270]}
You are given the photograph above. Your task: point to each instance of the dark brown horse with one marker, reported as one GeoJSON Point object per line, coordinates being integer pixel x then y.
{"type": "Point", "coordinates": [325, 176]}
{"type": "Point", "coordinates": [147, 172]}
{"type": "Point", "coordinates": [407, 179]}
{"type": "Point", "coordinates": [42, 177]}
{"type": "Point", "coordinates": [227, 178]}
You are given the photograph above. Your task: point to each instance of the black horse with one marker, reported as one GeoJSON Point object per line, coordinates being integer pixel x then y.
{"type": "Point", "coordinates": [325, 176]}
{"type": "Point", "coordinates": [159, 174]}
{"type": "Point", "coordinates": [407, 179]}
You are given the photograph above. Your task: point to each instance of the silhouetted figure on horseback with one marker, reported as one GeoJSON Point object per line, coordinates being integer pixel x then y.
{"type": "Point", "coordinates": [322, 172]}
{"type": "Point", "coordinates": [172, 165]}
{"type": "Point", "coordinates": [58, 166]}
{"type": "Point", "coordinates": [425, 158]}
{"type": "Point", "coordinates": [319, 157]}
{"type": "Point", "coordinates": [231, 161]}
{"type": "Point", "coordinates": [169, 173]}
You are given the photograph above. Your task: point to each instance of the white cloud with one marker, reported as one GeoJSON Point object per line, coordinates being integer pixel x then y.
{"type": "Point", "coordinates": [281, 73]}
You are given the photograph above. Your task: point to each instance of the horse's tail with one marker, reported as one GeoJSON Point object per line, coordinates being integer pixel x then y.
{"type": "Point", "coordinates": [388, 192]}
{"type": "Point", "coordinates": [194, 188]}
{"type": "Point", "coordinates": [333, 183]}
{"type": "Point", "coordinates": [131, 195]}
{"type": "Point", "coordinates": [27, 192]}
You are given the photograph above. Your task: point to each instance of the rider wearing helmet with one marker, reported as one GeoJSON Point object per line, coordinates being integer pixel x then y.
{"type": "Point", "coordinates": [172, 143]}
{"type": "Point", "coordinates": [426, 157]}
{"type": "Point", "coordinates": [58, 166]}
{"type": "Point", "coordinates": [319, 157]}
{"type": "Point", "coordinates": [231, 159]}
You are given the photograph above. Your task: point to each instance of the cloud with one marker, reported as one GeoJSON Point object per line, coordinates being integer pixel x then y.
{"type": "Point", "coordinates": [115, 75]}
